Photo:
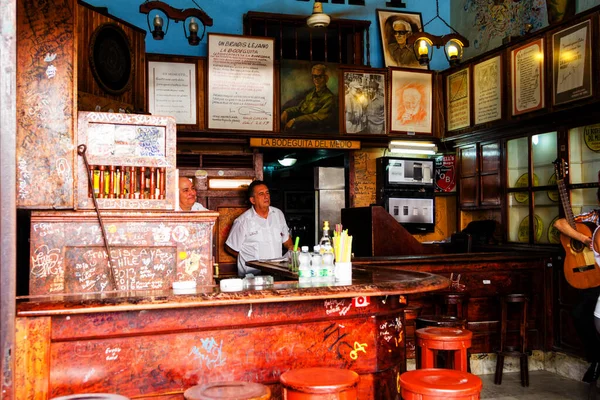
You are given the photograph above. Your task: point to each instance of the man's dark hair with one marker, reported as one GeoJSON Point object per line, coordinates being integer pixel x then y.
{"type": "Point", "coordinates": [252, 185]}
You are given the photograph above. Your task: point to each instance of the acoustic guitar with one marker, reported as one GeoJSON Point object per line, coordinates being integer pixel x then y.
{"type": "Point", "coordinates": [579, 267]}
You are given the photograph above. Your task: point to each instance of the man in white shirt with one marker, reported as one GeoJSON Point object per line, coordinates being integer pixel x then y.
{"type": "Point", "coordinates": [260, 232]}
{"type": "Point", "coordinates": [187, 196]}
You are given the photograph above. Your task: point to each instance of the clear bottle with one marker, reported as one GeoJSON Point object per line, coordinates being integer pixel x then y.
{"type": "Point", "coordinates": [304, 270]}
{"type": "Point", "coordinates": [325, 241]}
{"type": "Point", "coordinates": [327, 269]}
{"type": "Point", "coordinates": [316, 262]}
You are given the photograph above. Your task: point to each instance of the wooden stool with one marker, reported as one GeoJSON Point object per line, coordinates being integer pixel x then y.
{"type": "Point", "coordinates": [455, 304]}
{"type": "Point", "coordinates": [439, 338]}
{"type": "Point", "coordinates": [448, 321]}
{"type": "Point", "coordinates": [92, 396]}
{"type": "Point", "coordinates": [437, 384]}
{"type": "Point", "coordinates": [235, 390]}
{"type": "Point", "coordinates": [519, 351]}
{"type": "Point", "coordinates": [319, 384]}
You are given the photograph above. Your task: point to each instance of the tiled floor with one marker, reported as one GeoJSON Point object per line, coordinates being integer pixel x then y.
{"type": "Point", "coordinates": [543, 385]}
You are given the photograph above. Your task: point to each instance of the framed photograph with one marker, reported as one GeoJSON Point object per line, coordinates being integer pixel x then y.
{"type": "Point", "coordinates": [299, 202]}
{"type": "Point", "coordinates": [309, 97]}
{"type": "Point", "coordinates": [396, 28]}
{"type": "Point", "coordinates": [458, 104]}
{"type": "Point", "coordinates": [411, 97]}
{"type": "Point", "coordinates": [363, 101]}
{"type": "Point", "coordinates": [527, 77]}
{"type": "Point", "coordinates": [241, 83]}
{"type": "Point", "coordinates": [572, 63]}
{"type": "Point", "coordinates": [487, 90]}
{"type": "Point", "coordinates": [172, 89]}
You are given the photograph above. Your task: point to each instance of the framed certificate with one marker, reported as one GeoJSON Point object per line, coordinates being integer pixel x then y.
{"type": "Point", "coordinates": [527, 77]}
{"type": "Point", "coordinates": [172, 91]}
{"type": "Point", "coordinates": [572, 63]}
{"type": "Point", "coordinates": [487, 90]}
{"type": "Point", "coordinates": [457, 100]}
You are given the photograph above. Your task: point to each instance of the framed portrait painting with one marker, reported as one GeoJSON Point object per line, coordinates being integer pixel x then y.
{"type": "Point", "coordinates": [363, 101]}
{"type": "Point", "coordinates": [411, 97]}
{"type": "Point", "coordinates": [309, 97]}
{"type": "Point", "coordinates": [572, 63]}
{"type": "Point", "coordinates": [395, 29]}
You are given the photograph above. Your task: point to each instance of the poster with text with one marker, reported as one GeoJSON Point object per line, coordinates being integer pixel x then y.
{"type": "Point", "coordinates": [172, 90]}
{"type": "Point", "coordinates": [487, 93]}
{"type": "Point", "coordinates": [445, 173]}
{"type": "Point", "coordinates": [240, 83]}
{"type": "Point", "coordinates": [457, 100]}
{"type": "Point", "coordinates": [572, 63]}
{"type": "Point", "coordinates": [527, 77]}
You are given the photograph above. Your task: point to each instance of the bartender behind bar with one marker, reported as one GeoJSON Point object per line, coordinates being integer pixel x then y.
{"type": "Point", "coordinates": [260, 232]}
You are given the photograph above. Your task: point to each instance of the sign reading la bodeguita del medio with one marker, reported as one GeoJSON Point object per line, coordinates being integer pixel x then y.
{"type": "Point", "coordinates": [339, 144]}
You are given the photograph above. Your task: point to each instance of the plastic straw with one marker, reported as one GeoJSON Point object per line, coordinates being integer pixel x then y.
{"type": "Point", "coordinates": [296, 243]}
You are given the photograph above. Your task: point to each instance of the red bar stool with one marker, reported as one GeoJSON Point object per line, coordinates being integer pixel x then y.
{"type": "Point", "coordinates": [92, 396]}
{"type": "Point", "coordinates": [447, 321]}
{"type": "Point", "coordinates": [235, 390]}
{"type": "Point", "coordinates": [319, 384]}
{"type": "Point", "coordinates": [437, 384]}
{"type": "Point", "coordinates": [514, 351]}
{"type": "Point", "coordinates": [439, 338]}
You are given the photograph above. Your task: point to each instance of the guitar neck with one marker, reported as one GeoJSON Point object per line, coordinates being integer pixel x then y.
{"type": "Point", "coordinates": [566, 203]}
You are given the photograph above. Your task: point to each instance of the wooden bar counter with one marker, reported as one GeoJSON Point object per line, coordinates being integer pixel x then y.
{"type": "Point", "coordinates": [156, 344]}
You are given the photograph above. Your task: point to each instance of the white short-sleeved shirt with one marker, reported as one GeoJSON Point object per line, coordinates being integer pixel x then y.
{"type": "Point", "coordinates": [196, 207]}
{"type": "Point", "coordinates": [257, 238]}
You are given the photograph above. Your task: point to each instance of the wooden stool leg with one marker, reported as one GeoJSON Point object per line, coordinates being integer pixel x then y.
{"type": "Point", "coordinates": [524, 370]}
{"type": "Point", "coordinates": [417, 356]}
{"type": "Point", "coordinates": [427, 358]}
{"type": "Point", "coordinates": [460, 360]}
{"type": "Point", "coordinates": [499, 368]}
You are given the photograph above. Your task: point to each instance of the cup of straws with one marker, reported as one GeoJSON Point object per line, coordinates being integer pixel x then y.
{"type": "Point", "coordinates": [342, 250]}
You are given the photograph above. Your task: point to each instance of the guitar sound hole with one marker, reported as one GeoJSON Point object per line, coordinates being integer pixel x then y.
{"type": "Point", "coordinates": [577, 246]}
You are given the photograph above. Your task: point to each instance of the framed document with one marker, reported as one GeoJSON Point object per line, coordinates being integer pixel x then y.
{"type": "Point", "coordinates": [364, 99]}
{"type": "Point", "coordinates": [411, 101]}
{"type": "Point", "coordinates": [240, 83]}
{"type": "Point", "coordinates": [572, 63]}
{"type": "Point", "coordinates": [527, 77]}
{"type": "Point", "coordinates": [457, 100]}
{"type": "Point", "coordinates": [172, 91]}
{"type": "Point", "coordinates": [487, 90]}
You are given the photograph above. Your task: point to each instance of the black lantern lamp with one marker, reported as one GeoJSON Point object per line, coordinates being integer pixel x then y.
{"type": "Point", "coordinates": [194, 14]}
{"type": "Point", "coordinates": [424, 42]}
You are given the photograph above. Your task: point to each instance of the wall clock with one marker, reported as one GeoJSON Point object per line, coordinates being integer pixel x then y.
{"type": "Point", "coordinates": [110, 58]}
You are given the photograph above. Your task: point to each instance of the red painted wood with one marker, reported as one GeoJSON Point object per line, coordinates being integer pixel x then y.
{"type": "Point", "coordinates": [434, 384]}
{"type": "Point", "coordinates": [228, 391]}
{"type": "Point", "coordinates": [319, 384]}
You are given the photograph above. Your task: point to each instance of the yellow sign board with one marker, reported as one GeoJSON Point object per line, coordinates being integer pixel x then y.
{"type": "Point", "coordinates": [338, 144]}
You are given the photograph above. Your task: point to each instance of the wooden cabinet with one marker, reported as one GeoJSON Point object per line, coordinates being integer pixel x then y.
{"type": "Point", "coordinates": [480, 175]}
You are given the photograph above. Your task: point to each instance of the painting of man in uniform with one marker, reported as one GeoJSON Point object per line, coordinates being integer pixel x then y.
{"type": "Point", "coordinates": [309, 97]}
{"type": "Point", "coordinates": [364, 103]}
{"type": "Point", "coordinates": [396, 28]}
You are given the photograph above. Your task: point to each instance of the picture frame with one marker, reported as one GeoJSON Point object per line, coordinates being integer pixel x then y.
{"type": "Point", "coordinates": [172, 90]}
{"type": "Point", "coordinates": [527, 77]}
{"type": "Point", "coordinates": [572, 63]}
{"type": "Point", "coordinates": [458, 99]}
{"type": "Point", "coordinates": [411, 101]}
{"type": "Point", "coordinates": [396, 52]}
{"type": "Point", "coordinates": [298, 86]}
{"type": "Point", "coordinates": [241, 83]}
{"type": "Point", "coordinates": [488, 86]}
{"type": "Point", "coordinates": [363, 99]}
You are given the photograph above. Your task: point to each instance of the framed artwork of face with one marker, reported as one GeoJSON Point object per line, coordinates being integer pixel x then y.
{"type": "Point", "coordinates": [395, 29]}
{"type": "Point", "coordinates": [411, 98]}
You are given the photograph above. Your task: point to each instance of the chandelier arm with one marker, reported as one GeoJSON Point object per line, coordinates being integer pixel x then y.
{"type": "Point", "coordinates": [174, 13]}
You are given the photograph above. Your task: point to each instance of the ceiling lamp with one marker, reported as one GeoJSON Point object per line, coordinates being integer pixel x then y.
{"type": "Point", "coordinates": [194, 15]}
{"type": "Point", "coordinates": [287, 161]}
{"type": "Point", "coordinates": [406, 147]}
{"type": "Point", "coordinates": [423, 42]}
{"type": "Point", "coordinates": [318, 19]}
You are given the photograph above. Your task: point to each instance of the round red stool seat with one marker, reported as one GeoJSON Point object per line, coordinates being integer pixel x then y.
{"type": "Point", "coordinates": [319, 383]}
{"type": "Point", "coordinates": [439, 384]}
{"type": "Point", "coordinates": [440, 338]}
{"type": "Point", "coordinates": [235, 390]}
{"type": "Point", "coordinates": [92, 396]}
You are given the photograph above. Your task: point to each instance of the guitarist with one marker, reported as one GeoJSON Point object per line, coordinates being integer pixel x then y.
{"type": "Point", "coordinates": [583, 312]}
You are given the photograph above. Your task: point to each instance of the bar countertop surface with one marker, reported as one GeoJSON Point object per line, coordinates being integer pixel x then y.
{"type": "Point", "coordinates": [365, 282]}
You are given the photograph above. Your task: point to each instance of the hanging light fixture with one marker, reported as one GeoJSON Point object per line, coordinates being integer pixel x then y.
{"type": "Point", "coordinates": [423, 42]}
{"type": "Point", "coordinates": [177, 15]}
{"type": "Point", "coordinates": [318, 19]}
